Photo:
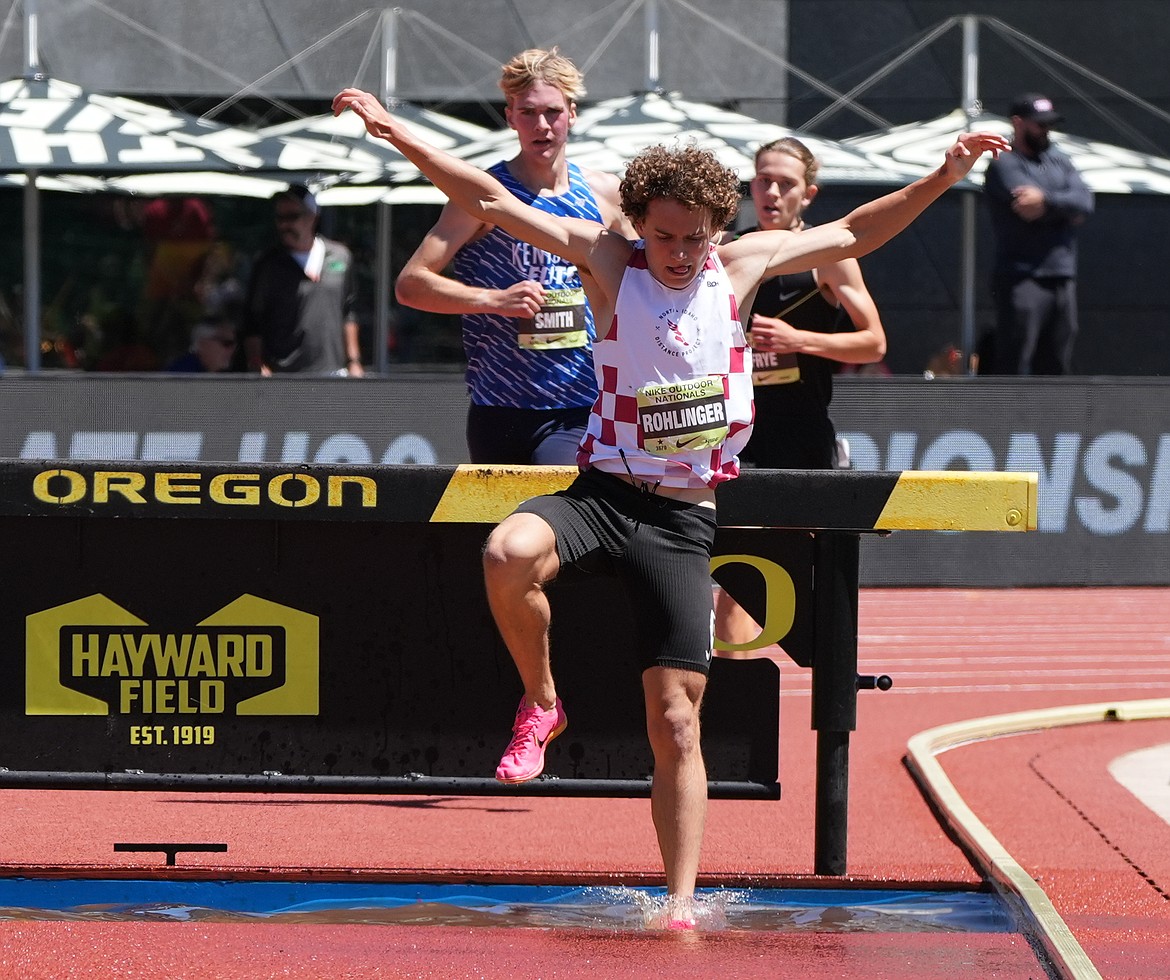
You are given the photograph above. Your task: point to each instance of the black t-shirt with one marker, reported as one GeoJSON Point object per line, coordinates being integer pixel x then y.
{"type": "Point", "coordinates": [301, 321]}
{"type": "Point", "coordinates": [793, 429]}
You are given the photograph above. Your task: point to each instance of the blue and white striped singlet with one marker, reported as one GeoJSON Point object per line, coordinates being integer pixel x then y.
{"type": "Point", "coordinates": [500, 370]}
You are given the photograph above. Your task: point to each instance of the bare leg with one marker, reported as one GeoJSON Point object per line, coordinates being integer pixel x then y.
{"type": "Point", "coordinates": [678, 798]}
{"type": "Point", "coordinates": [734, 625]}
{"type": "Point", "coordinates": [520, 556]}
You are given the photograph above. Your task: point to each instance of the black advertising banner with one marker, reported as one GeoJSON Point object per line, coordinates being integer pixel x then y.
{"type": "Point", "coordinates": [316, 650]}
{"type": "Point", "coordinates": [1101, 447]}
{"type": "Point", "coordinates": [408, 419]}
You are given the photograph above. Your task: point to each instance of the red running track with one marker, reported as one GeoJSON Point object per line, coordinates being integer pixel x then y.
{"type": "Point", "coordinates": [1103, 857]}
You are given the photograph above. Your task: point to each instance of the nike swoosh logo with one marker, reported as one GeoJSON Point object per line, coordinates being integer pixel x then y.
{"type": "Point", "coordinates": [787, 296]}
{"type": "Point", "coordinates": [683, 443]}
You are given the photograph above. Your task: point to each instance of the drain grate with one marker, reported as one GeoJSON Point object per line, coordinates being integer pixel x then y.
{"type": "Point", "coordinates": [171, 850]}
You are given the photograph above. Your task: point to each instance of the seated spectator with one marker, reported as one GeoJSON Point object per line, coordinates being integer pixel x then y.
{"type": "Point", "coordinates": [213, 343]}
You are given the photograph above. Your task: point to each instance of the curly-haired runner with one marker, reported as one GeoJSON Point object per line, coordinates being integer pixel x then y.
{"type": "Point", "coordinates": [686, 174]}
{"type": "Point", "coordinates": [674, 409]}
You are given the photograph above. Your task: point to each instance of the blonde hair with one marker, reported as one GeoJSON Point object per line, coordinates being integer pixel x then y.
{"type": "Point", "coordinates": [791, 146]}
{"type": "Point", "coordinates": [537, 65]}
{"type": "Point", "coordinates": [686, 174]}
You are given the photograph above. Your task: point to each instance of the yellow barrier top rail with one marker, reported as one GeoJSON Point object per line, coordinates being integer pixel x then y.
{"type": "Point", "coordinates": [812, 499]}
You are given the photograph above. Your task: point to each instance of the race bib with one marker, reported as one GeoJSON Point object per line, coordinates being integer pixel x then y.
{"type": "Point", "coordinates": [559, 325]}
{"type": "Point", "coordinates": [682, 416]}
{"type": "Point", "coordinates": [772, 368]}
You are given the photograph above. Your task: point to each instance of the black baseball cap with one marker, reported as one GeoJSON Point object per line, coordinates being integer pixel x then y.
{"type": "Point", "coordinates": [1037, 107]}
{"type": "Point", "coordinates": [301, 194]}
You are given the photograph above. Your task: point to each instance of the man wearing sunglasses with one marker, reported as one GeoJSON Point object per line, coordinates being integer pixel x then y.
{"type": "Point", "coordinates": [1037, 202]}
{"type": "Point", "coordinates": [299, 315]}
{"type": "Point", "coordinates": [213, 343]}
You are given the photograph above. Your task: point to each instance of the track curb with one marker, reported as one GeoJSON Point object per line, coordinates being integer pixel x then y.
{"type": "Point", "coordinates": [989, 855]}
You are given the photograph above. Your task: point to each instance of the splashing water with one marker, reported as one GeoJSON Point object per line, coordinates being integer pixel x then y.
{"type": "Point", "coordinates": [704, 912]}
{"type": "Point", "coordinates": [598, 907]}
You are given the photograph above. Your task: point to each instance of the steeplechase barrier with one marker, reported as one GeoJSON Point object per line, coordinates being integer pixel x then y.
{"type": "Point", "coordinates": [290, 628]}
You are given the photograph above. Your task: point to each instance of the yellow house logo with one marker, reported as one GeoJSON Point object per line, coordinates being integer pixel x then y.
{"type": "Point", "coordinates": [92, 657]}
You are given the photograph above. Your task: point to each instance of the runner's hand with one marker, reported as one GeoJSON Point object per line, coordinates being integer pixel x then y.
{"type": "Point", "coordinates": [522, 299]}
{"type": "Point", "coordinates": [369, 109]}
{"type": "Point", "coordinates": [968, 148]}
{"type": "Point", "coordinates": [771, 334]}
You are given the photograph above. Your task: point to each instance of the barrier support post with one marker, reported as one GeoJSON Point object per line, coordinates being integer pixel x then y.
{"type": "Point", "coordinates": [834, 692]}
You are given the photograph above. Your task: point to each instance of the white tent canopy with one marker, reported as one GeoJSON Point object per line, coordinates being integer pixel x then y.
{"type": "Point", "coordinates": [89, 142]}
{"type": "Point", "coordinates": [55, 127]}
{"type": "Point", "coordinates": [51, 126]}
{"type": "Point", "coordinates": [347, 130]}
{"type": "Point", "coordinates": [409, 186]}
{"type": "Point", "coordinates": [1106, 169]}
{"type": "Point", "coordinates": [606, 136]}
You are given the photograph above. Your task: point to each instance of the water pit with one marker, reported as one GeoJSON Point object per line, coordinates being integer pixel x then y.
{"type": "Point", "coordinates": [533, 906]}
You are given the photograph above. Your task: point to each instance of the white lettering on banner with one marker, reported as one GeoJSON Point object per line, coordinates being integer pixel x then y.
{"type": "Point", "coordinates": [1158, 512]}
{"type": "Point", "coordinates": [295, 448]}
{"type": "Point", "coordinates": [103, 445]}
{"type": "Point", "coordinates": [1126, 480]}
{"type": "Point", "coordinates": [1116, 484]}
{"type": "Point", "coordinates": [902, 446]}
{"type": "Point", "coordinates": [84, 144]}
{"type": "Point", "coordinates": [252, 447]}
{"type": "Point", "coordinates": [411, 448]}
{"type": "Point", "coordinates": [343, 448]}
{"type": "Point", "coordinates": [40, 445]}
{"type": "Point", "coordinates": [187, 447]}
{"type": "Point", "coordinates": [863, 451]}
{"type": "Point", "coordinates": [172, 446]}
{"type": "Point", "coordinates": [958, 450]}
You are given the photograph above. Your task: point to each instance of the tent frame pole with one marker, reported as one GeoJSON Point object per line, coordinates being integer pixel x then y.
{"type": "Point", "coordinates": [967, 338]}
{"type": "Point", "coordinates": [32, 211]}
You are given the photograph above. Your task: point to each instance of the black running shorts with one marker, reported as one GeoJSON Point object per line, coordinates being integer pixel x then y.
{"type": "Point", "coordinates": [657, 547]}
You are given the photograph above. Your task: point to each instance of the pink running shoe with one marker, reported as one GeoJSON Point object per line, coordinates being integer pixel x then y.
{"type": "Point", "coordinates": [532, 730]}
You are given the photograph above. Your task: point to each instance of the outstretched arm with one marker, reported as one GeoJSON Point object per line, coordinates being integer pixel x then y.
{"type": "Point", "coordinates": [864, 229]}
{"type": "Point", "coordinates": [478, 193]}
{"type": "Point", "coordinates": [423, 284]}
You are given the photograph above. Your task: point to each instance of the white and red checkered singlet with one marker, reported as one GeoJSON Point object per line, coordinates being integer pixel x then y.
{"type": "Point", "coordinates": [675, 384]}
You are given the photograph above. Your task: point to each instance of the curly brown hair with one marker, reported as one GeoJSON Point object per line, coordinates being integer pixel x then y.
{"type": "Point", "coordinates": [686, 174]}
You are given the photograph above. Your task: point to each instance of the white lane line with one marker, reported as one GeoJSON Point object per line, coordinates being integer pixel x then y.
{"type": "Point", "coordinates": [1146, 774]}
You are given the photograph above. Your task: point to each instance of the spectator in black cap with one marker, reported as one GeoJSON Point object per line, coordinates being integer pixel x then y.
{"type": "Point", "coordinates": [299, 312]}
{"type": "Point", "coordinates": [1037, 201]}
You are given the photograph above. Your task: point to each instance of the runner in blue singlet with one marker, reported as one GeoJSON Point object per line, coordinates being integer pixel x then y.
{"type": "Point", "coordinates": [527, 329]}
